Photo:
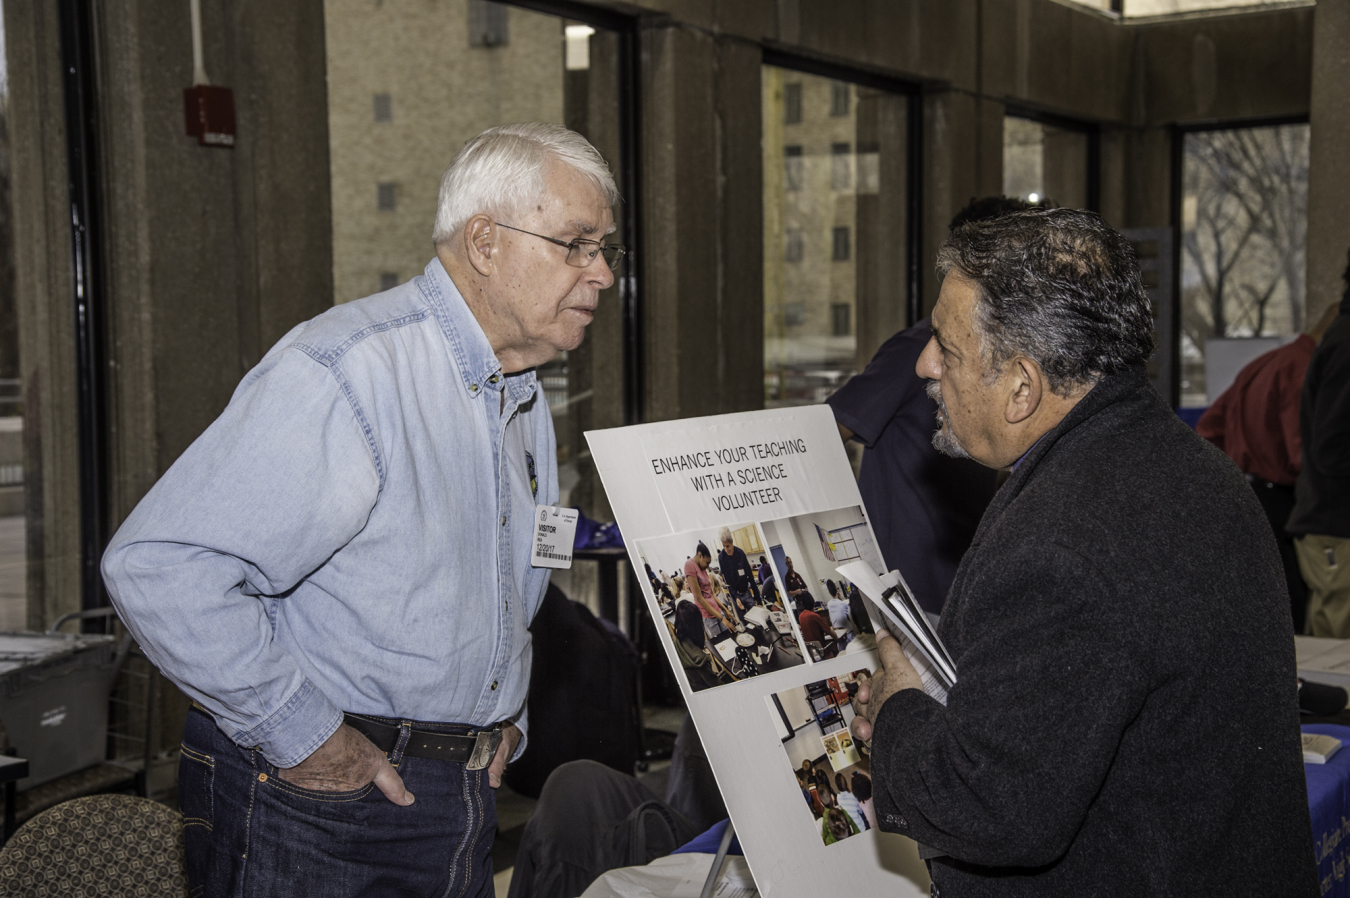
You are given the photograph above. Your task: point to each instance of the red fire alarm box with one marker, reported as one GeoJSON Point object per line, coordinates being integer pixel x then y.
{"type": "Point", "coordinates": [210, 115]}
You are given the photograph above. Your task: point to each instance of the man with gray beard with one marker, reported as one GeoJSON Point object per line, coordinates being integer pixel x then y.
{"type": "Point", "coordinates": [1125, 719]}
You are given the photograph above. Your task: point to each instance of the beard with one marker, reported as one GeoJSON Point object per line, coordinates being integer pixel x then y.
{"type": "Point", "coordinates": [944, 440]}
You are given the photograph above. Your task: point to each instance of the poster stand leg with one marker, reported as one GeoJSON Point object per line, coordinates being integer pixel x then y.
{"type": "Point", "coordinates": [718, 861]}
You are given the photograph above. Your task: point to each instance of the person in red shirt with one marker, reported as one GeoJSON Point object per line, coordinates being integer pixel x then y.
{"type": "Point", "coordinates": [1255, 423]}
{"type": "Point", "coordinates": [815, 628]}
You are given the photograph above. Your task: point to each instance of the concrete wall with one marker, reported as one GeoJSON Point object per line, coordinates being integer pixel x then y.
{"type": "Point", "coordinates": [213, 254]}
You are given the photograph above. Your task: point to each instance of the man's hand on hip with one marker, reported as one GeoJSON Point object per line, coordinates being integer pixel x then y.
{"type": "Point", "coordinates": [347, 761]}
{"type": "Point", "coordinates": [510, 739]}
{"type": "Point", "coordinates": [895, 673]}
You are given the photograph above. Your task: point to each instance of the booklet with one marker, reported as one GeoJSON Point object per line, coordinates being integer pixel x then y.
{"type": "Point", "coordinates": [895, 608]}
{"type": "Point", "coordinates": [1318, 748]}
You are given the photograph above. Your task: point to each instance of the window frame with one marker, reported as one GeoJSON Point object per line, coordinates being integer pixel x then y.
{"type": "Point", "coordinates": [630, 274]}
{"type": "Point", "coordinates": [1093, 132]}
{"type": "Point", "coordinates": [1177, 186]}
{"type": "Point", "coordinates": [913, 92]}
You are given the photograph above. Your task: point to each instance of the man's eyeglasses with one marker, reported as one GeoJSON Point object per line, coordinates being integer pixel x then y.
{"type": "Point", "coordinates": [581, 252]}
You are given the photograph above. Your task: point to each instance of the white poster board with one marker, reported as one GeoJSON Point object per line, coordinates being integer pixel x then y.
{"type": "Point", "coordinates": [781, 482]}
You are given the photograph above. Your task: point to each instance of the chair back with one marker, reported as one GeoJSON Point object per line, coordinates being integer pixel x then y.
{"type": "Point", "coordinates": [99, 845]}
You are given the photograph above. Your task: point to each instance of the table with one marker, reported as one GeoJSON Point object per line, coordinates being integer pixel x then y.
{"type": "Point", "coordinates": [1329, 806]}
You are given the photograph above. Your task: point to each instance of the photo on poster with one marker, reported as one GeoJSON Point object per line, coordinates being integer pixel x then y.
{"type": "Point", "coordinates": [834, 772]}
{"type": "Point", "coordinates": [722, 611]}
{"type": "Point", "coordinates": [805, 551]}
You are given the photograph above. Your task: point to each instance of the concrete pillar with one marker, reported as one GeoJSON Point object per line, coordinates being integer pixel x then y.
{"type": "Point", "coordinates": [210, 254]}
{"type": "Point", "coordinates": [703, 224]}
{"type": "Point", "coordinates": [213, 253]}
{"type": "Point", "coordinates": [1328, 187]}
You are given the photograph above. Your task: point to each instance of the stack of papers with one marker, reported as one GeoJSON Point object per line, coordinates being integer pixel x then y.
{"type": "Point", "coordinates": [892, 606]}
{"type": "Point", "coordinates": [1317, 748]}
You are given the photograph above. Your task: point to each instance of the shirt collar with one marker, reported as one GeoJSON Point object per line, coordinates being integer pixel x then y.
{"type": "Point", "coordinates": [478, 365]}
{"type": "Point", "coordinates": [1028, 452]}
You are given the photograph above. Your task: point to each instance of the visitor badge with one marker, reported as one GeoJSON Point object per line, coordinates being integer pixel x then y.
{"type": "Point", "coordinates": [554, 530]}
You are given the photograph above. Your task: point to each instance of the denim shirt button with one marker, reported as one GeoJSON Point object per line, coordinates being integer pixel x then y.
{"type": "Point", "coordinates": [473, 388]}
{"type": "Point", "coordinates": [494, 685]}
{"type": "Point", "coordinates": [503, 520]}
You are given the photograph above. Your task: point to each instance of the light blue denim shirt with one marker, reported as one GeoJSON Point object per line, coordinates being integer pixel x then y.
{"type": "Point", "coordinates": [352, 533]}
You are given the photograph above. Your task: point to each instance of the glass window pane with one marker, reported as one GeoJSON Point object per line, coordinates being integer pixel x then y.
{"type": "Point", "coordinates": [1042, 162]}
{"type": "Point", "coordinates": [1244, 214]}
{"type": "Point", "coordinates": [1166, 7]}
{"type": "Point", "coordinates": [835, 161]}
{"type": "Point", "coordinates": [424, 65]}
{"type": "Point", "coordinates": [13, 525]}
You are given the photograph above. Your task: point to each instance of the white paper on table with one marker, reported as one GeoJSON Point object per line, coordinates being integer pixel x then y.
{"type": "Point", "coordinates": [675, 876]}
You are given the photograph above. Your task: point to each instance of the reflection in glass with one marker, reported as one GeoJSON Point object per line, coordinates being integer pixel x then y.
{"type": "Point", "coordinates": [1244, 219]}
{"type": "Point", "coordinates": [1130, 8]}
{"type": "Point", "coordinates": [835, 160]}
{"type": "Point", "coordinates": [13, 530]}
{"type": "Point", "coordinates": [1045, 163]}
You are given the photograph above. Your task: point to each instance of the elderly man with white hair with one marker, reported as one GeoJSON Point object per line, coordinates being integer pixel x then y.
{"type": "Point", "coordinates": [737, 573]}
{"type": "Point", "coordinates": [338, 570]}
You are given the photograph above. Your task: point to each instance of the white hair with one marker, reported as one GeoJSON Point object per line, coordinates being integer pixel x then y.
{"type": "Point", "coordinates": [724, 535]}
{"type": "Point", "coordinates": [501, 172]}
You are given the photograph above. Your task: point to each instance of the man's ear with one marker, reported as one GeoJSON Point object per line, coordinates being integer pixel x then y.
{"type": "Point", "coordinates": [1028, 385]}
{"type": "Point", "coordinates": [480, 243]}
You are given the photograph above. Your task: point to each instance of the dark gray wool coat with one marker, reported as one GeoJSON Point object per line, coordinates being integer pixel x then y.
{"type": "Point", "coordinates": [1125, 717]}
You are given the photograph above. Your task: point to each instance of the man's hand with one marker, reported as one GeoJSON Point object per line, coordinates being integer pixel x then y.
{"type": "Point", "coordinates": [896, 673]}
{"type": "Point", "coordinates": [348, 761]}
{"type": "Point", "coordinates": [510, 739]}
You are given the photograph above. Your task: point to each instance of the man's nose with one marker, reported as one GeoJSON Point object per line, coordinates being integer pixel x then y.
{"type": "Point", "coordinates": [600, 273]}
{"type": "Point", "coordinates": [929, 365]}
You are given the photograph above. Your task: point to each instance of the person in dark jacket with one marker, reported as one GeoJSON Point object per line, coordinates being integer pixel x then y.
{"type": "Point", "coordinates": [1124, 719]}
{"type": "Point", "coordinates": [1320, 521]}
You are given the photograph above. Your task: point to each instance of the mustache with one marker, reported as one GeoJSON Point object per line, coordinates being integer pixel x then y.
{"type": "Point", "coordinates": [944, 440]}
{"type": "Point", "coordinates": [934, 391]}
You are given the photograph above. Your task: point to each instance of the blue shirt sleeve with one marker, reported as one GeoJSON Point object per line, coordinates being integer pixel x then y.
{"type": "Point", "coordinates": [870, 399]}
{"type": "Point", "coordinates": [285, 477]}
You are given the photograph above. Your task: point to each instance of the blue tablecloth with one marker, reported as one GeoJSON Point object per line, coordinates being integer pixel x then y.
{"type": "Point", "coordinates": [1329, 804]}
{"type": "Point", "coordinates": [708, 842]}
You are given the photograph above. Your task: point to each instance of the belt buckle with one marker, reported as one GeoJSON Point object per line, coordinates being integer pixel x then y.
{"type": "Point", "coordinates": [484, 747]}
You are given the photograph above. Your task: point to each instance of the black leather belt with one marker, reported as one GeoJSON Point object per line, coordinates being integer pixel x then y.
{"type": "Point", "coordinates": [473, 749]}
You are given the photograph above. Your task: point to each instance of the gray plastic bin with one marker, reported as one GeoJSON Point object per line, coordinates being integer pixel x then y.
{"type": "Point", "coordinates": [54, 700]}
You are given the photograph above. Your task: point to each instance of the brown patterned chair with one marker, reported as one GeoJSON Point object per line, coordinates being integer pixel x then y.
{"type": "Point", "coordinates": [118, 846]}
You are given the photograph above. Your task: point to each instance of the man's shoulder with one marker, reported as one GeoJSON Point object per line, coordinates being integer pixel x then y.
{"type": "Point", "coordinates": [329, 336]}
{"type": "Point", "coordinates": [891, 365]}
{"type": "Point", "coordinates": [1119, 461]}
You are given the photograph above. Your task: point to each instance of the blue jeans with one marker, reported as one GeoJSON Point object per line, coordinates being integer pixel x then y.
{"type": "Point", "coordinates": [250, 834]}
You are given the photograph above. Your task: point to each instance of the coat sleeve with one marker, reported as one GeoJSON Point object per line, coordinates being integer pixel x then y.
{"type": "Point", "coordinates": [1005, 773]}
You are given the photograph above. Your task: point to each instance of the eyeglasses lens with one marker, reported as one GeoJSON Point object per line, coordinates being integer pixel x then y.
{"type": "Point", "coordinates": [583, 253]}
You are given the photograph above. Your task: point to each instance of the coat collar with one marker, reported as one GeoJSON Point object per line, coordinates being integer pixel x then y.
{"type": "Point", "coordinates": [1107, 392]}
